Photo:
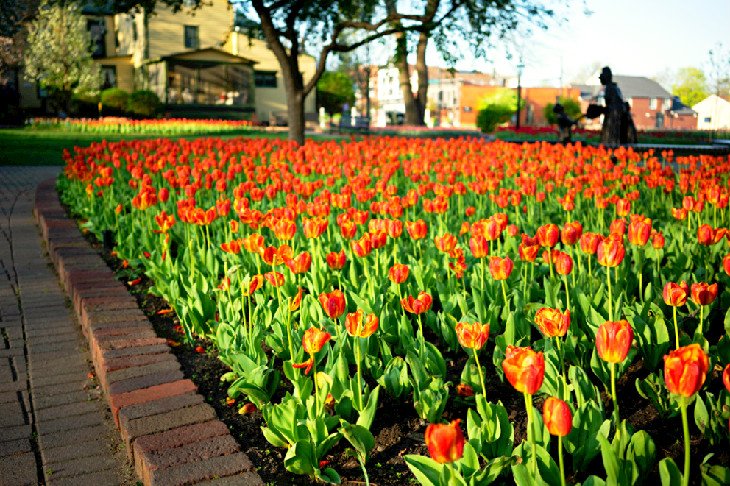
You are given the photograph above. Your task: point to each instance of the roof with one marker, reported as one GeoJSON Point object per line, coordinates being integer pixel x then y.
{"type": "Point", "coordinates": [205, 57]}
{"type": "Point", "coordinates": [680, 108]}
{"type": "Point", "coordinates": [630, 86]}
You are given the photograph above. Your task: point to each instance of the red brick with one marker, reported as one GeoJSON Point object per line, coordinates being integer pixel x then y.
{"type": "Point", "coordinates": [145, 381]}
{"type": "Point", "coordinates": [132, 429]}
{"type": "Point", "coordinates": [117, 401]}
{"type": "Point", "coordinates": [194, 472]}
{"type": "Point", "coordinates": [136, 360]}
{"type": "Point", "coordinates": [197, 451]}
{"type": "Point", "coordinates": [149, 369]}
{"type": "Point", "coordinates": [139, 331]}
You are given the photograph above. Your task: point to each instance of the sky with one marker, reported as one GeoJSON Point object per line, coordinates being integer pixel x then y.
{"type": "Point", "coordinates": [633, 37]}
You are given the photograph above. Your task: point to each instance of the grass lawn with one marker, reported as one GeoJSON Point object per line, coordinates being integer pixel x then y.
{"type": "Point", "coordinates": [45, 147]}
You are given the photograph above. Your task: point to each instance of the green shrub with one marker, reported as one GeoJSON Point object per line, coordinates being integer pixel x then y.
{"type": "Point", "coordinates": [496, 108]}
{"type": "Point", "coordinates": [114, 99]}
{"type": "Point", "coordinates": [572, 109]}
{"type": "Point", "coordinates": [143, 103]}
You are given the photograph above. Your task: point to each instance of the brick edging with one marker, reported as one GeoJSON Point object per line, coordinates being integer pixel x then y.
{"type": "Point", "coordinates": [171, 434]}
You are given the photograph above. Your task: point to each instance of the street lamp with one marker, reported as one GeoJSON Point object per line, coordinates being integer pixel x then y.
{"type": "Point", "coordinates": [520, 67]}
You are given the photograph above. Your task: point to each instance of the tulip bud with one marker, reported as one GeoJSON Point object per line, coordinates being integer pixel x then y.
{"type": "Point", "coordinates": [445, 442]}
{"type": "Point", "coordinates": [685, 370]}
{"type": "Point", "coordinates": [524, 369]}
{"type": "Point", "coordinates": [557, 417]}
{"type": "Point", "coordinates": [613, 341]}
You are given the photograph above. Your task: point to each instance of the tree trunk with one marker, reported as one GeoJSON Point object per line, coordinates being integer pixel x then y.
{"type": "Point", "coordinates": [295, 115]}
{"type": "Point", "coordinates": [422, 71]}
{"type": "Point", "coordinates": [404, 76]}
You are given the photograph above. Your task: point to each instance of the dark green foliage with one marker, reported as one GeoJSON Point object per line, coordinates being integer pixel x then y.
{"type": "Point", "coordinates": [143, 103]}
{"type": "Point", "coordinates": [334, 89]}
{"type": "Point", "coordinates": [114, 98]}
{"type": "Point", "coordinates": [572, 109]}
{"type": "Point", "coordinates": [496, 108]}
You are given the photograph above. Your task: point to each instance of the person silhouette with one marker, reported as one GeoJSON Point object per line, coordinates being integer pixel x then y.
{"type": "Point", "coordinates": [565, 124]}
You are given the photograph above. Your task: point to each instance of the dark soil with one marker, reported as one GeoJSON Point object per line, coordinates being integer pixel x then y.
{"type": "Point", "coordinates": [397, 429]}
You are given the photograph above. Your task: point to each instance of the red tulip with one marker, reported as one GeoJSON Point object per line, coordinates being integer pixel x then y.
{"type": "Point", "coordinates": [726, 377]}
{"type": "Point", "coordinates": [613, 341]}
{"type": "Point", "coordinates": [703, 293]}
{"type": "Point", "coordinates": [398, 273]}
{"type": "Point", "coordinates": [571, 233]}
{"type": "Point", "coordinates": [417, 229]}
{"type": "Point", "coordinates": [445, 442]}
{"type": "Point", "coordinates": [336, 260]}
{"type": "Point", "coordinates": [639, 231]}
{"type": "Point", "coordinates": [445, 243]}
{"type": "Point", "coordinates": [333, 303]}
{"type": "Point", "coordinates": [557, 417]}
{"type": "Point", "coordinates": [524, 369]}
{"type": "Point", "coordinates": [417, 305]}
{"type": "Point", "coordinates": [705, 235]}
{"type": "Point", "coordinates": [589, 242]}
{"type": "Point", "coordinates": [685, 370]}
{"type": "Point", "coordinates": [313, 341]}
{"type": "Point", "coordinates": [675, 294]}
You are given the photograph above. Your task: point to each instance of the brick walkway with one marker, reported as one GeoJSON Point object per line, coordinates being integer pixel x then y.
{"type": "Point", "coordinates": [54, 427]}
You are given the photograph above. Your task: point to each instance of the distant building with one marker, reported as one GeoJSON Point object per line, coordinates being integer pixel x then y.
{"type": "Point", "coordinates": [652, 106]}
{"type": "Point", "coordinates": [713, 113]}
{"type": "Point", "coordinates": [202, 62]}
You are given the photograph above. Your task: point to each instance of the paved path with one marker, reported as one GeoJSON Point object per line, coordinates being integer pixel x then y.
{"type": "Point", "coordinates": [55, 428]}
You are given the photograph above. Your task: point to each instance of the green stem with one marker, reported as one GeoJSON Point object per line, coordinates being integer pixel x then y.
{"type": "Point", "coordinates": [701, 329]}
{"type": "Point", "coordinates": [560, 460]}
{"type": "Point", "coordinates": [550, 262]}
{"type": "Point", "coordinates": [358, 359]}
{"type": "Point", "coordinates": [479, 370]}
{"type": "Point", "coordinates": [610, 298]}
{"type": "Point", "coordinates": [316, 392]}
{"type": "Point", "coordinates": [421, 338]}
{"type": "Point", "coordinates": [567, 292]}
{"type": "Point", "coordinates": [613, 395]}
{"type": "Point", "coordinates": [685, 428]}
{"type": "Point", "coordinates": [566, 396]}
{"type": "Point", "coordinates": [676, 327]}
{"type": "Point", "coordinates": [504, 294]}
{"type": "Point", "coordinates": [530, 438]}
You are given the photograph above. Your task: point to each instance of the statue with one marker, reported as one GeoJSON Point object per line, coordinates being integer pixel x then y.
{"type": "Point", "coordinates": [565, 124]}
{"type": "Point", "coordinates": [618, 126]}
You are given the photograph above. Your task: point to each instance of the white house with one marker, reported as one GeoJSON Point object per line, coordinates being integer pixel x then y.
{"type": "Point", "coordinates": [713, 113]}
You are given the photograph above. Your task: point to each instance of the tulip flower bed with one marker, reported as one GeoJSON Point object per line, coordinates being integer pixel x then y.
{"type": "Point", "coordinates": [542, 314]}
{"type": "Point", "coordinates": [679, 137]}
{"type": "Point", "coordinates": [156, 126]}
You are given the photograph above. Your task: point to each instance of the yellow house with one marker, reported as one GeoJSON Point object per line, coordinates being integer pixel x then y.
{"type": "Point", "coordinates": [195, 60]}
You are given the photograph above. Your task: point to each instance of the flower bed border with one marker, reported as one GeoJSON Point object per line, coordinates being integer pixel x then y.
{"type": "Point", "coordinates": [171, 434]}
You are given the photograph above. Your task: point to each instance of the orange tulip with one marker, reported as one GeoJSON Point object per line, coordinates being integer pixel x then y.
{"type": "Point", "coordinates": [445, 243]}
{"type": "Point", "coordinates": [552, 322]}
{"type": "Point", "coordinates": [313, 341]}
{"type": "Point", "coordinates": [527, 251]}
{"type": "Point", "coordinates": [284, 229]}
{"type": "Point", "coordinates": [417, 305]}
{"type": "Point", "coordinates": [445, 442]}
{"type": "Point", "coordinates": [623, 206]}
{"type": "Point", "coordinates": [479, 246]}
{"type": "Point", "coordinates": [705, 235]}
{"type": "Point", "coordinates": [464, 390]}
{"type": "Point", "coordinates": [300, 264]}
{"type": "Point", "coordinates": [685, 370]}
{"type": "Point", "coordinates": [472, 335]}
{"type": "Point", "coordinates": [362, 247]}
{"type": "Point", "coordinates": [703, 293]}
{"type": "Point", "coordinates": [500, 268]}
{"type": "Point", "coordinates": [557, 417]}
{"type": "Point", "coordinates": [275, 279]}
{"type": "Point", "coordinates": [611, 252]}
{"type": "Point", "coordinates": [563, 263]}
{"type": "Point", "coordinates": [314, 227]}
{"type": "Point", "coordinates": [639, 231]}
{"type": "Point", "coordinates": [726, 263]}
{"type": "Point", "coordinates": [613, 341]}
{"type": "Point", "coordinates": [417, 229]}
{"type": "Point", "coordinates": [355, 327]}
{"type": "Point", "coordinates": [296, 301]}
{"type": "Point", "coordinates": [336, 260]}
{"type": "Point", "coordinates": [571, 233]}
{"type": "Point", "coordinates": [657, 240]}
{"type": "Point", "coordinates": [333, 303]}
{"type": "Point", "coordinates": [726, 377]}
{"type": "Point", "coordinates": [398, 273]}
{"type": "Point", "coordinates": [524, 369]}
{"type": "Point", "coordinates": [589, 242]}
{"type": "Point", "coordinates": [547, 235]}
{"type": "Point", "coordinates": [675, 294]}
{"type": "Point", "coordinates": [679, 214]}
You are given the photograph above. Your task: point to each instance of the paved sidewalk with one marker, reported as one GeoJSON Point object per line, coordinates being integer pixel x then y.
{"type": "Point", "coordinates": [55, 428]}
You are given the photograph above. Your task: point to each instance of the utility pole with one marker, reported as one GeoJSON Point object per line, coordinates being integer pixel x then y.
{"type": "Point", "coordinates": [520, 67]}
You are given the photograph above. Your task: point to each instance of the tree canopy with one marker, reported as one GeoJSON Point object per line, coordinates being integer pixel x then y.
{"type": "Point", "coordinates": [690, 85]}
{"type": "Point", "coordinates": [58, 54]}
{"type": "Point", "coordinates": [334, 89]}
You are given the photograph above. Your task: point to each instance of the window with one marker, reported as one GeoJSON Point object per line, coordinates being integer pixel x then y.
{"type": "Point", "coordinates": [467, 109]}
{"type": "Point", "coordinates": [652, 104]}
{"type": "Point", "coordinates": [191, 37]}
{"type": "Point", "coordinates": [708, 119]}
{"type": "Point", "coordinates": [108, 77]}
{"type": "Point", "coordinates": [265, 79]}
{"type": "Point", "coordinates": [97, 30]}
